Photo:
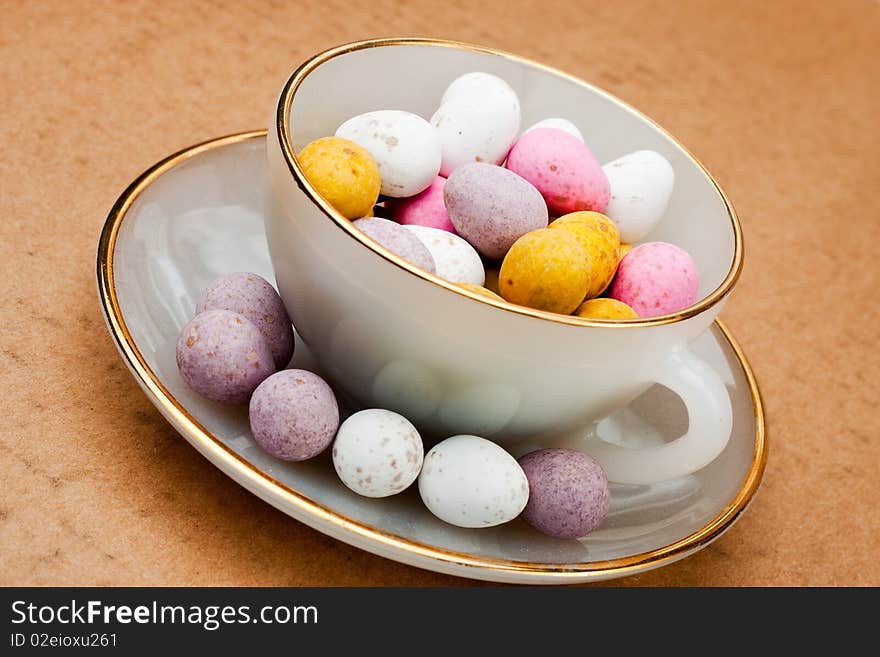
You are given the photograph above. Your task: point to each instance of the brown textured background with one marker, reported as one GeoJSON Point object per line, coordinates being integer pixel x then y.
{"type": "Point", "coordinates": [779, 99]}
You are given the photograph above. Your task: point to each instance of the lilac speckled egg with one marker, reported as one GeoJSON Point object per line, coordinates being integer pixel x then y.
{"type": "Point", "coordinates": [255, 298]}
{"type": "Point", "coordinates": [492, 207]}
{"type": "Point", "coordinates": [424, 209]}
{"type": "Point", "coordinates": [656, 278]}
{"type": "Point", "coordinates": [562, 168]}
{"type": "Point", "coordinates": [398, 240]}
{"type": "Point", "coordinates": [294, 415]}
{"type": "Point", "coordinates": [223, 356]}
{"type": "Point", "coordinates": [568, 492]}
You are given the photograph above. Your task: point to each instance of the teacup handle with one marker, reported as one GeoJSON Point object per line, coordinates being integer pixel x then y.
{"type": "Point", "coordinates": [710, 423]}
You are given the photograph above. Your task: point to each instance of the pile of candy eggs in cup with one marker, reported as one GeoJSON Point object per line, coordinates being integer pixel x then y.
{"type": "Point", "coordinates": [529, 217]}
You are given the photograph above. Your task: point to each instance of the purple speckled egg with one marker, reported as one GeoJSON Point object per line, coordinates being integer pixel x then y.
{"type": "Point", "coordinates": [656, 278]}
{"type": "Point", "coordinates": [568, 492]}
{"type": "Point", "coordinates": [255, 298]}
{"type": "Point", "coordinates": [424, 209]}
{"type": "Point", "coordinates": [398, 240]}
{"type": "Point", "coordinates": [492, 207]}
{"type": "Point", "coordinates": [223, 356]}
{"type": "Point", "coordinates": [562, 168]}
{"type": "Point", "coordinates": [294, 415]}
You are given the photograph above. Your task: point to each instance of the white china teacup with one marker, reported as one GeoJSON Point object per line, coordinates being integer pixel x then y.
{"type": "Point", "coordinates": [391, 335]}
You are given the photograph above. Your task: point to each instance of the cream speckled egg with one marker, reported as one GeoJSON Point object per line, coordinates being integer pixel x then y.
{"type": "Point", "coordinates": [404, 145]}
{"type": "Point", "coordinates": [455, 259]}
{"type": "Point", "coordinates": [477, 84]}
{"type": "Point", "coordinates": [377, 453]}
{"type": "Point", "coordinates": [478, 121]}
{"type": "Point", "coordinates": [560, 124]}
{"type": "Point", "coordinates": [641, 184]}
{"type": "Point", "coordinates": [469, 481]}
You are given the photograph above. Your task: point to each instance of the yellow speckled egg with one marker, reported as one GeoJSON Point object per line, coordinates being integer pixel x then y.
{"type": "Point", "coordinates": [623, 250]}
{"type": "Point", "coordinates": [605, 309]}
{"type": "Point", "coordinates": [601, 239]}
{"type": "Point", "coordinates": [546, 269]}
{"type": "Point", "coordinates": [479, 289]}
{"type": "Point", "coordinates": [345, 174]}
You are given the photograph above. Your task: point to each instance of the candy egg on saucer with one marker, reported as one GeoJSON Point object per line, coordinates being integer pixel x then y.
{"type": "Point", "coordinates": [568, 492]}
{"type": "Point", "coordinates": [492, 207]}
{"type": "Point", "coordinates": [560, 124]}
{"type": "Point", "coordinates": [547, 270]}
{"type": "Point", "coordinates": [641, 184]}
{"type": "Point", "coordinates": [398, 240]}
{"type": "Point", "coordinates": [255, 298]}
{"type": "Point", "coordinates": [562, 168]}
{"type": "Point", "coordinates": [477, 121]}
{"type": "Point", "coordinates": [605, 309]}
{"type": "Point", "coordinates": [454, 259]}
{"type": "Point", "coordinates": [343, 173]}
{"type": "Point", "coordinates": [469, 481]}
{"type": "Point", "coordinates": [294, 415]}
{"type": "Point", "coordinates": [222, 355]}
{"type": "Point", "coordinates": [405, 146]}
{"type": "Point", "coordinates": [424, 209]}
{"type": "Point", "coordinates": [599, 237]}
{"type": "Point", "coordinates": [656, 278]}
{"type": "Point", "coordinates": [377, 453]}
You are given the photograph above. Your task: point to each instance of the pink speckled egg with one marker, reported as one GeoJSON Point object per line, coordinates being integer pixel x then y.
{"type": "Point", "coordinates": [656, 278]}
{"type": "Point", "coordinates": [562, 168]}
{"type": "Point", "coordinates": [424, 209]}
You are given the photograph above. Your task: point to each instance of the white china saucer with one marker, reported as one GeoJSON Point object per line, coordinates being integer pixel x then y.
{"type": "Point", "coordinates": [197, 215]}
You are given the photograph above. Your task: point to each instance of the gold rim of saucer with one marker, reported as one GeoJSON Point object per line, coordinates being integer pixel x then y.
{"type": "Point", "coordinates": [282, 125]}
{"type": "Point", "coordinates": [258, 479]}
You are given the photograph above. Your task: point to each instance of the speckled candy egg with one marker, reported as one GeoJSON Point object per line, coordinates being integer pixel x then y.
{"type": "Point", "coordinates": [492, 207]}
{"type": "Point", "coordinates": [424, 209]}
{"type": "Point", "coordinates": [546, 269]}
{"type": "Point", "coordinates": [398, 240]}
{"type": "Point", "coordinates": [477, 84]}
{"type": "Point", "coordinates": [562, 168]}
{"type": "Point", "coordinates": [343, 173]}
{"type": "Point", "coordinates": [641, 184]}
{"type": "Point", "coordinates": [605, 309]}
{"type": "Point", "coordinates": [405, 146]}
{"type": "Point", "coordinates": [377, 453]}
{"type": "Point", "coordinates": [294, 415]}
{"type": "Point", "coordinates": [598, 235]}
{"type": "Point", "coordinates": [560, 124]}
{"type": "Point", "coordinates": [623, 250]}
{"type": "Point", "coordinates": [255, 298]}
{"type": "Point", "coordinates": [568, 492]}
{"type": "Point", "coordinates": [478, 120]}
{"type": "Point", "coordinates": [471, 482]}
{"type": "Point", "coordinates": [656, 278]}
{"type": "Point", "coordinates": [223, 356]}
{"type": "Point", "coordinates": [454, 259]}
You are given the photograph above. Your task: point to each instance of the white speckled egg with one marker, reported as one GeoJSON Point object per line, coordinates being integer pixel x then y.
{"type": "Point", "coordinates": [641, 184]}
{"type": "Point", "coordinates": [560, 124]}
{"type": "Point", "coordinates": [469, 481]}
{"type": "Point", "coordinates": [478, 121]}
{"type": "Point", "coordinates": [377, 453]}
{"type": "Point", "coordinates": [477, 84]}
{"type": "Point", "coordinates": [455, 259]}
{"type": "Point", "coordinates": [404, 145]}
